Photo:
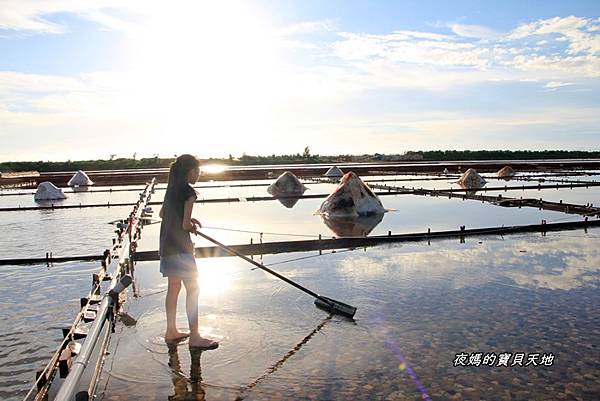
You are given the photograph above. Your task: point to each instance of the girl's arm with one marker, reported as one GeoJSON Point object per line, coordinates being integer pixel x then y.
{"type": "Point", "coordinates": [161, 214]}
{"type": "Point", "coordinates": [188, 223]}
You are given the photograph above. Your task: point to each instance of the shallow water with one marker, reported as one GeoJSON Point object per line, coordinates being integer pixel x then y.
{"type": "Point", "coordinates": [36, 302]}
{"type": "Point", "coordinates": [418, 305]}
{"type": "Point", "coordinates": [407, 214]}
{"type": "Point", "coordinates": [88, 232]}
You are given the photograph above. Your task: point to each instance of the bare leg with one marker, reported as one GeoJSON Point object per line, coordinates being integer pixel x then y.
{"type": "Point", "coordinates": [191, 308]}
{"type": "Point", "coordinates": [173, 289]}
{"type": "Point", "coordinates": [191, 304]}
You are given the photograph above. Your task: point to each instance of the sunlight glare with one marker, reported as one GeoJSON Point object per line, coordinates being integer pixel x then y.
{"type": "Point", "coordinates": [216, 276]}
{"type": "Point", "coordinates": [212, 169]}
{"type": "Point", "coordinates": [207, 70]}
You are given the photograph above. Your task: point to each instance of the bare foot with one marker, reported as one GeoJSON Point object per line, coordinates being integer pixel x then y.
{"type": "Point", "coordinates": [175, 336]}
{"type": "Point", "coordinates": [196, 341]}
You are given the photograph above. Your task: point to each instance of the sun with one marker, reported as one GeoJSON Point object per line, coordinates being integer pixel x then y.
{"type": "Point", "coordinates": [207, 71]}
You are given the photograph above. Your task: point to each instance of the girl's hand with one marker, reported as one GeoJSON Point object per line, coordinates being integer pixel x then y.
{"type": "Point", "coordinates": [196, 223]}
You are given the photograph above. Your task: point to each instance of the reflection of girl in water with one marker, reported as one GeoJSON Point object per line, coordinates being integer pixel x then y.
{"type": "Point", "coordinates": [176, 249]}
{"type": "Point", "coordinates": [180, 382]}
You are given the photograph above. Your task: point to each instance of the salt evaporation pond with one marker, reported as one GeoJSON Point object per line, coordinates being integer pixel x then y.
{"type": "Point", "coordinates": [419, 305]}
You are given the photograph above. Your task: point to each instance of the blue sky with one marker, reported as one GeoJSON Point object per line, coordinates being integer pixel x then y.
{"type": "Point", "coordinates": [95, 78]}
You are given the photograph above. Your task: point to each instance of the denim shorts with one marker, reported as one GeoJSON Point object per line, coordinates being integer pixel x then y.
{"type": "Point", "coordinates": [180, 265]}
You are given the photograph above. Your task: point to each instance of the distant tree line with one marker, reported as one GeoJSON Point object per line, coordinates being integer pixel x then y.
{"type": "Point", "coordinates": [113, 164]}
{"type": "Point", "coordinates": [298, 158]}
{"type": "Point", "coordinates": [445, 155]}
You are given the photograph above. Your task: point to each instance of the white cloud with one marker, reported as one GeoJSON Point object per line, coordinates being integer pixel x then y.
{"type": "Point", "coordinates": [473, 31]}
{"type": "Point", "coordinates": [308, 27]}
{"type": "Point", "coordinates": [22, 82]}
{"type": "Point", "coordinates": [421, 35]}
{"type": "Point", "coordinates": [557, 84]}
{"type": "Point", "coordinates": [581, 33]}
{"type": "Point", "coordinates": [27, 15]}
{"type": "Point", "coordinates": [292, 36]}
{"type": "Point", "coordinates": [37, 98]}
{"type": "Point", "coordinates": [33, 15]}
{"type": "Point", "coordinates": [569, 67]}
{"type": "Point", "coordinates": [111, 22]}
{"type": "Point", "coordinates": [399, 47]}
{"type": "Point", "coordinates": [474, 54]}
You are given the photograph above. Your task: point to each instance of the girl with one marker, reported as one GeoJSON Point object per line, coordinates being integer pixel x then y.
{"type": "Point", "coordinates": [176, 249]}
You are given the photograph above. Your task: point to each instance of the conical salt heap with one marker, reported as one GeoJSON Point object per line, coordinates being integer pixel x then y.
{"type": "Point", "coordinates": [505, 172]}
{"type": "Point", "coordinates": [471, 179]}
{"type": "Point", "coordinates": [48, 191]}
{"type": "Point", "coordinates": [334, 172]}
{"type": "Point", "coordinates": [80, 179]}
{"type": "Point", "coordinates": [286, 184]}
{"type": "Point", "coordinates": [351, 198]}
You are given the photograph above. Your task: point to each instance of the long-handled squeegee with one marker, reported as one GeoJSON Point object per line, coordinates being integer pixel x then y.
{"type": "Point", "coordinates": [327, 304]}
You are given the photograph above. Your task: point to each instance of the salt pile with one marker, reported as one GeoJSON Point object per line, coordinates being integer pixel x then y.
{"type": "Point", "coordinates": [286, 184]}
{"type": "Point", "coordinates": [351, 198]}
{"type": "Point", "coordinates": [48, 191]}
{"type": "Point", "coordinates": [471, 179]}
{"type": "Point", "coordinates": [334, 172]}
{"type": "Point", "coordinates": [506, 172]}
{"type": "Point", "coordinates": [80, 179]}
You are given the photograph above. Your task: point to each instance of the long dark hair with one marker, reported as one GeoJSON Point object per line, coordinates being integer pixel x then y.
{"type": "Point", "coordinates": [178, 172]}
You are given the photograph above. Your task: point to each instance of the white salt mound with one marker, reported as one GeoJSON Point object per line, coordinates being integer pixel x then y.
{"type": "Point", "coordinates": [80, 179]}
{"type": "Point", "coordinates": [471, 179]}
{"type": "Point", "coordinates": [506, 171]}
{"type": "Point", "coordinates": [286, 184]}
{"type": "Point", "coordinates": [334, 172]}
{"type": "Point", "coordinates": [48, 191]}
{"type": "Point", "coordinates": [352, 197]}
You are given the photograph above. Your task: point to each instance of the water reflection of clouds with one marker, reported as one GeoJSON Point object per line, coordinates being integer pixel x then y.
{"type": "Point", "coordinates": [551, 262]}
{"type": "Point", "coordinates": [577, 271]}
